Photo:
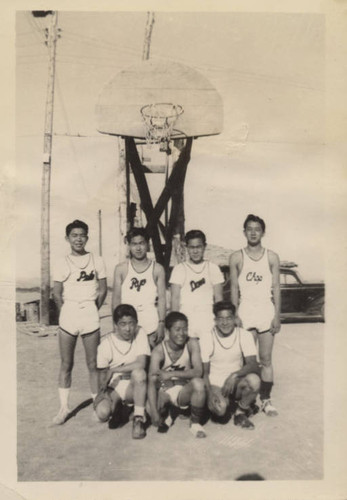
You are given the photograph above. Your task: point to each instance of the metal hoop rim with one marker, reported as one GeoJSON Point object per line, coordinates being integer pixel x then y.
{"type": "Point", "coordinates": [177, 107]}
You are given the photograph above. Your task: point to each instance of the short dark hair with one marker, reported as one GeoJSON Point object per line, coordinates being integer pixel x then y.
{"type": "Point", "coordinates": [254, 218]}
{"type": "Point", "coordinates": [195, 233]}
{"type": "Point", "coordinates": [76, 224]}
{"type": "Point", "coordinates": [224, 305]}
{"type": "Point", "coordinates": [124, 310]}
{"type": "Point", "coordinates": [137, 231]}
{"type": "Point", "coordinates": [174, 316]}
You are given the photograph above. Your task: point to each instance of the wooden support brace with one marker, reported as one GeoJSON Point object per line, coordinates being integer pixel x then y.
{"type": "Point", "coordinates": [132, 157]}
{"type": "Point", "coordinates": [173, 190]}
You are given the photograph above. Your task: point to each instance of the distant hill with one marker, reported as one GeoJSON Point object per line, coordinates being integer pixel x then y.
{"type": "Point", "coordinates": [218, 255]}
{"type": "Point", "coordinates": [28, 289]}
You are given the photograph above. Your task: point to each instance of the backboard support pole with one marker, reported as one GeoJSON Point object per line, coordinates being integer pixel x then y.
{"type": "Point", "coordinates": [173, 190]}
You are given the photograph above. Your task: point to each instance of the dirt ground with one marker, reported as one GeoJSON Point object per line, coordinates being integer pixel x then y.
{"type": "Point", "coordinates": [289, 446]}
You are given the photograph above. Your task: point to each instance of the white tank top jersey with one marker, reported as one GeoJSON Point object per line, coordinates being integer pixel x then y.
{"type": "Point", "coordinates": [197, 282]}
{"type": "Point", "coordinates": [140, 290]}
{"type": "Point", "coordinates": [80, 275]}
{"type": "Point", "coordinates": [113, 352]}
{"type": "Point", "coordinates": [226, 354]}
{"type": "Point", "coordinates": [255, 279]}
{"type": "Point", "coordinates": [183, 363]}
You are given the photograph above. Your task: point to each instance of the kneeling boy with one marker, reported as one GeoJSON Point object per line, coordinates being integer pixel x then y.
{"type": "Point", "coordinates": [175, 375]}
{"type": "Point", "coordinates": [121, 360]}
{"type": "Point", "coordinates": [230, 365]}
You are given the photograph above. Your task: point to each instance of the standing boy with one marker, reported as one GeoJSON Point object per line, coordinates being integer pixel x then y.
{"type": "Point", "coordinates": [231, 370]}
{"type": "Point", "coordinates": [122, 360]}
{"type": "Point", "coordinates": [140, 282]}
{"type": "Point", "coordinates": [255, 292]}
{"type": "Point", "coordinates": [175, 375]}
{"type": "Point", "coordinates": [195, 285]}
{"type": "Point", "coordinates": [79, 290]}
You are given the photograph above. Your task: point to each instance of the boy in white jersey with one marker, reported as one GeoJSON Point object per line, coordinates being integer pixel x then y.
{"type": "Point", "coordinates": [79, 290]}
{"type": "Point", "coordinates": [122, 360]}
{"type": "Point", "coordinates": [255, 292]}
{"type": "Point", "coordinates": [175, 376]}
{"type": "Point", "coordinates": [140, 282]}
{"type": "Point", "coordinates": [231, 370]}
{"type": "Point", "coordinates": [195, 285]}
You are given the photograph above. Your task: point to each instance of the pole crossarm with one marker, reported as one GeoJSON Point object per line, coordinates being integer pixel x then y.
{"type": "Point", "coordinates": [173, 190]}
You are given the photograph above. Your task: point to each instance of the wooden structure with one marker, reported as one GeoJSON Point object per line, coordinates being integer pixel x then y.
{"type": "Point", "coordinates": [118, 113]}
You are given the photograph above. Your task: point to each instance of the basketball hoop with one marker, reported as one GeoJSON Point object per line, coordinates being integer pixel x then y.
{"type": "Point", "coordinates": [159, 120]}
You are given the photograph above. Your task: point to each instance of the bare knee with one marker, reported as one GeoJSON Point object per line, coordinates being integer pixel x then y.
{"type": "Point", "coordinates": [91, 365]}
{"type": "Point", "coordinates": [198, 385]}
{"type": "Point", "coordinates": [253, 381]}
{"type": "Point", "coordinates": [139, 376]}
{"type": "Point", "coordinates": [104, 410]}
{"type": "Point", "coordinates": [266, 361]}
{"type": "Point", "coordinates": [218, 405]}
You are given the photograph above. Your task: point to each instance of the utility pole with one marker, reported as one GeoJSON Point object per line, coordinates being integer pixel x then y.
{"type": "Point", "coordinates": [52, 35]}
{"type": "Point", "coordinates": [148, 36]}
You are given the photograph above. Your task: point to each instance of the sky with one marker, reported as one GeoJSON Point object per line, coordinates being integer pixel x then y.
{"type": "Point", "coordinates": [269, 160]}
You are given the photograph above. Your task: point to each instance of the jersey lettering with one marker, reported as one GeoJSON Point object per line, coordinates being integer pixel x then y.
{"type": "Point", "coordinates": [175, 368]}
{"type": "Point", "coordinates": [86, 277]}
{"type": "Point", "coordinates": [135, 283]}
{"type": "Point", "coordinates": [252, 276]}
{"type": "Point", "coordinates": [194, 285]}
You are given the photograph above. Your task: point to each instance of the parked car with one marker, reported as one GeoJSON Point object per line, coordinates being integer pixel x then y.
{"type": "Point", "coordinates": [302, 301]}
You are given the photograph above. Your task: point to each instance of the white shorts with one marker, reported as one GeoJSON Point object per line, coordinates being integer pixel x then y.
{"type": "Point", "coordinates": [79, 317]}
{"type": "Point", "coordinates": [256, 316]}
{"type": "Point", "coordinates": [200, 324]}
{"type": "Point", "coordinates": [173, 393]}
{"type": "Point", "coordinates": [120, 386]}
{"type": "Point", "coordinates": [148, 320]}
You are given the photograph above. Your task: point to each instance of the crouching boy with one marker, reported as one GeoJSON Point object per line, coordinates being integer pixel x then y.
{"type": "Point", "coordinates": [231, 371]}
{"type": "Point", "coordinates": [121, 360]}
{"type": "Point", "coordinates": [175, 376]}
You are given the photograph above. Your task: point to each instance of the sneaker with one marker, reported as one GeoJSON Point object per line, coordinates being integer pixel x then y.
{"type": "Point", "coordinates": [62, 415]}
{"type": "Point", "coordinates": [163, 428]}
{"type": "Point", "coordinates": [197, 430]}
{"type": "Point", "coordinates": [252, 410]}
{"type": "Point", "coordinates": [268, 408]}
{"type": "Point", "coordinates": [244, 422]}
{"type": "Point", "coordinates": [139, 431]}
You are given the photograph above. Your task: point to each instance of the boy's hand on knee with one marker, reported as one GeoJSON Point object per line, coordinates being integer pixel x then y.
{"type": "Point", "coordinates": [101, 396]}
{"type": "Point", "coordinates": [229, 385]}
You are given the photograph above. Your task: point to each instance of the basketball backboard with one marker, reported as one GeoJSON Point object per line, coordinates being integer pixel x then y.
{"type": "Point", "coordinates": [118, 110]}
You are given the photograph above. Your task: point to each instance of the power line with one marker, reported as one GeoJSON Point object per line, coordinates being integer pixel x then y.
{"type": "Point", "coordinates": [98, 41]}
{"type": "Point", "coordinates": [38, 33]}
{"type": "Point", "coordinates": [66, 118]}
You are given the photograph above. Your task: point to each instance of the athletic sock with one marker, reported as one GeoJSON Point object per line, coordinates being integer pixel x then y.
{"type": "Point", "coordinates": [139, 411]}
{"type": "Point", "coordinates": [64, 396]}
{"type": "Point", "coordinates": [196, 414]}
{"type": "Point", "coordinates": [93, 396]}
{"type": "Point", "coordinates": [265, 390]}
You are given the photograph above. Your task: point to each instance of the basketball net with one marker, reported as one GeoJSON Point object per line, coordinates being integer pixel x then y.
{"type": "Point", "coordinates": [159, 120]}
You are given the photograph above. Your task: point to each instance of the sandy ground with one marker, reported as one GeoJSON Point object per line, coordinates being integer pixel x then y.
{"type": "Point", "coordinates": [289, 446]}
